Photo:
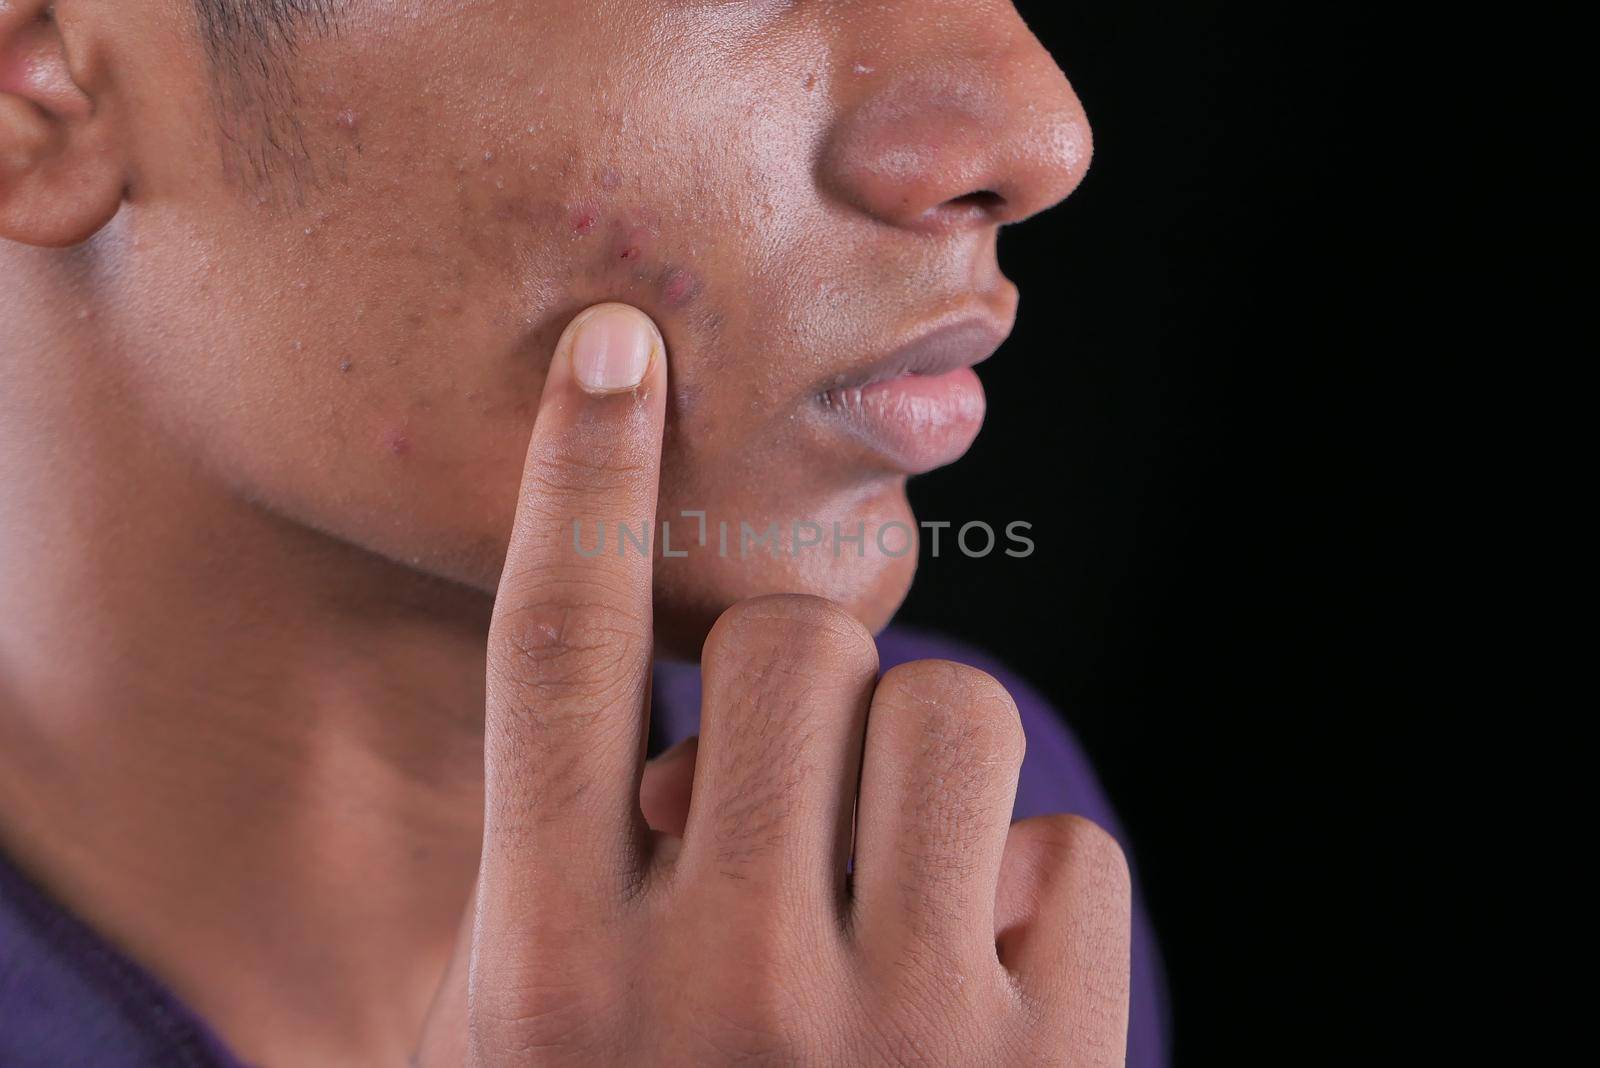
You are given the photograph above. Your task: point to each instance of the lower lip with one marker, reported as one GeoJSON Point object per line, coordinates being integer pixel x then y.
{"type": "Point", "coordinates": [915, 422]}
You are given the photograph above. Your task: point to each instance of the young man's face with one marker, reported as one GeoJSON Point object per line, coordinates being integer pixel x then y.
{"type": "Point", "coordinates": [338, 285]}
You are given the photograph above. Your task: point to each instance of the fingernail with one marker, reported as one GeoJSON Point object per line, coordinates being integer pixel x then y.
{"type": "Point", "coordinates": [611, 349]}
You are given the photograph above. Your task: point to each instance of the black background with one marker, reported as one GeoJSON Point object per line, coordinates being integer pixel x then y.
{"type": "Point", "coordinates": [1198, 418]}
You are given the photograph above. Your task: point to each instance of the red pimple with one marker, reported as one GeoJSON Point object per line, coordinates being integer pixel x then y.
{"type": "Point", "coordinates": [583, 222]}
{"type": "Point", "coordinates": [397, 442]}
{"type": "Point", "coordinates": [631, 245]}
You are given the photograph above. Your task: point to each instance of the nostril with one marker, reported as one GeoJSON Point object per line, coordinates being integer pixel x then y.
{"type": "Point", "coordinates": [984, 200]}
{"type": "Point", "coordinates": [982, 208]}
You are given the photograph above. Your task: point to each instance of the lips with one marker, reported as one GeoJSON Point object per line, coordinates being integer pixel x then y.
{"type": "Point", "coordinates": [921, 406]}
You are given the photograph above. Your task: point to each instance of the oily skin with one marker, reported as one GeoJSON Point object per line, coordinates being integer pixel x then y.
{"type": "Point", "coordinates": [265, 418]}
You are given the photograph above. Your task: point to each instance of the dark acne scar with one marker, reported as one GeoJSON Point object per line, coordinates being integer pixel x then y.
{"type": "Point", "coordinates": [678, 287]}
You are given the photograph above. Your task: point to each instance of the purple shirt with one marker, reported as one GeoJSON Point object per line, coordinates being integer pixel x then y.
{"type": "Point", "coordinates": [68, 998]}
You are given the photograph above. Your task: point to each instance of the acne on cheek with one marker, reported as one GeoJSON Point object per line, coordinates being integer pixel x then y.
{"type": "Point", "coordinates": [397, 442]}
{"type": "Point", "coordinates": [613, 252]}
{"type": "Point", "coordinates": [584, 220]}
{"type": "Point", "coordinates": [633, 244]}
{"type": "Point", "coordinates": [614, 243]}
{"type": "Point", "coordinates": [625, 245]}
{"type": "Point", "coordinates": [348, 123]}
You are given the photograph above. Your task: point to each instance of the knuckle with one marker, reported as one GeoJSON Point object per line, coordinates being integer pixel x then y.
{"type": "Point", "coordinates": [755, 820]}
{"type": "Point", "coordinates": [802, 629]}
{"type": "Point", "coordinates": [1074, 842]}
{"type": "Point", "coordinates": [957, 741]}
{"type": "Point", "coordinates": [588, 462]}
{"type": "Point", "coordinates": [784, 678]}
{"type": "Point", "coordinates": [576, 640]}
{"type": "Point", "coordinates": [954, 707]}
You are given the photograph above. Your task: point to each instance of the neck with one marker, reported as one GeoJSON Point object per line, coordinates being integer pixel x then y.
{"type": "Point", "coordinates": [234, 746]}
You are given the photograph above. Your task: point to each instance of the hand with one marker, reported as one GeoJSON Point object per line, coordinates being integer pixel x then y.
{"type": "Point", "coordinates": [730, 927]}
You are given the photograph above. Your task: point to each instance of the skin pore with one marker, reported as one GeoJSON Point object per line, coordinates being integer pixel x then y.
{"type": "Point", "coordinates": [271, 362]}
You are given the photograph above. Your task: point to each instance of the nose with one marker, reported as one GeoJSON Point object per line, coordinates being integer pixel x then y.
{"type": "Point", "coordinates": [936, 134]}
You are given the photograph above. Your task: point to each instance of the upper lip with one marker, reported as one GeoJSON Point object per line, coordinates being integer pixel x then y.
{"type": "Point", "coordinates": [950, 346]}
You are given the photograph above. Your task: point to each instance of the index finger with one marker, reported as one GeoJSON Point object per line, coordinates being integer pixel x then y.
{"type": "Point", "coordinates": [570, 643]}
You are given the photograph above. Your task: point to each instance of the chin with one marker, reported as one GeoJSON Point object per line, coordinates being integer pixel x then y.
{"type": "Point", "coordinates": [692, 592]}
{"type": "Point", "coordinates": [687, 606]}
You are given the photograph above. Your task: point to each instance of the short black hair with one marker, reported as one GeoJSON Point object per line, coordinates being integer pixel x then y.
{"type": "Point", "coordinates": [236, 27]}
{"type": "Point", "coordinates": [251, 46]}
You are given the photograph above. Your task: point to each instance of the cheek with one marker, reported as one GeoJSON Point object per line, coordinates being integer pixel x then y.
{"type": "Point", "coordinates": [442, 276]}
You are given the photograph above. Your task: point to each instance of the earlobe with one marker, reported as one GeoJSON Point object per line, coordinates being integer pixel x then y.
{"type": "Point", "coordinates": [61, 175]}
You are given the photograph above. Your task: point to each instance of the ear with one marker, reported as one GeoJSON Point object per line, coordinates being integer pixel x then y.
{"type": "Point", "coordinates": [61, 169]}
